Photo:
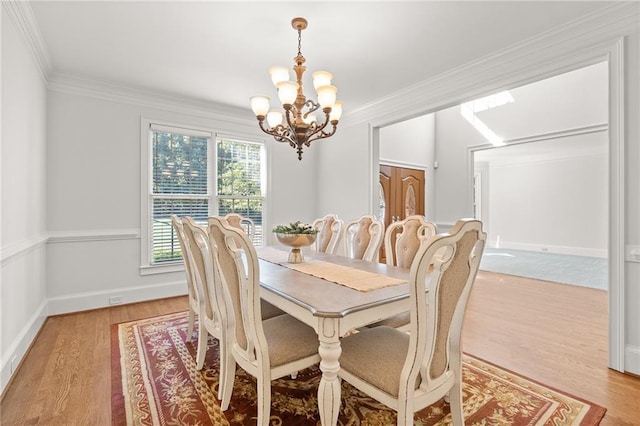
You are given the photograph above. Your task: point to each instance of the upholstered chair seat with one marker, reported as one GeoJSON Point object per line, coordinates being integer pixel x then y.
{"type": "Point", "coordinates": [383, 347]}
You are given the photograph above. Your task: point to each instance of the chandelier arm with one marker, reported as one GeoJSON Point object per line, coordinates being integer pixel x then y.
{"type": "Point", "coordinates": [321, 134]}
{"type": "Point", "coordinates": [313, 106]}
{"type": "Point", "coordinates": [280, 133]}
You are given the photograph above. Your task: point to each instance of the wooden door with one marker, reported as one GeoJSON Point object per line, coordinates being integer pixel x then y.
{"type": "Point", "coordinates": [401, 195]}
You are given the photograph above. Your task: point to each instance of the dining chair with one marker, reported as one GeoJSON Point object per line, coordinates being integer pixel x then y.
{"type": "Point", "coordinates": [363, 238]}
{"type": "Point", "coordinates": [266, 349]}
{"type": "Point", "coordinates": [209, 320]}
{"type": "Point", "coordinates": [248, 226]}
{"type": "Point", "coordinates": [329, 233]}
{"type": "Point", "coordinates": [408, 372]}
{"type": "Point", "coordinates": [242, 222]}
{"type": "Point", "coordinates": [402, 240]}
{"type": "Point", "coordinates": [195, 290]}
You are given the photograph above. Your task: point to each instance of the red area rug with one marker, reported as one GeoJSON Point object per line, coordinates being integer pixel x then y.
{"type": "Point", "coordinates": [155, 382]}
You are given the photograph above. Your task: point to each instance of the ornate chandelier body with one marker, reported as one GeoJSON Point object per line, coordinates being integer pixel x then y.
{"type": "Point", "coordinates": [298, 125]}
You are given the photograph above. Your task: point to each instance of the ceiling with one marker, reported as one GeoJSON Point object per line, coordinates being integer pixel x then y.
{"type": "Point", "coordinates": [219, 51]}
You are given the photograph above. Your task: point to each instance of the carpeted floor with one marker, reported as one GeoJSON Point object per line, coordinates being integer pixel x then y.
{"type": "Point", "coordinates": [560, 268]}
{"type": "Point", "coordinates": [154, 381]}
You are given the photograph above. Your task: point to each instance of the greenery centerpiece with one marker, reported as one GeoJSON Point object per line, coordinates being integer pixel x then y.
{"type": "Point", "coordinates": [296, 235]}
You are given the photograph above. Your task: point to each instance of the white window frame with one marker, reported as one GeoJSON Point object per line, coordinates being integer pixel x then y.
{"type": "Point", "coordinates": [263, 176]}
{"type": "Point", "coordinates": [146, 184]}
{"type": "Point", "coordinates": [146, 155]}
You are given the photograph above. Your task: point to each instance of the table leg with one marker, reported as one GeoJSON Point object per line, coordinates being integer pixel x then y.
{"type": "Point", "coordinates": [329, 392]}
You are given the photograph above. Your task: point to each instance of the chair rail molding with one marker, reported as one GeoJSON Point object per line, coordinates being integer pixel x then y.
{"type": "Point", "coordinates": [22, 247]}
{"type": "Point", "coordinates": [93, 235]}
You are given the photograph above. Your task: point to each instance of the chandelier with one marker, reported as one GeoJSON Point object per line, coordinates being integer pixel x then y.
{"type": "Point", "coordinates": [297, 125]}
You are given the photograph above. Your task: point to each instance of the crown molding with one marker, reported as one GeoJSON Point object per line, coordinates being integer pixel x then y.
{"type": "Point", "coordinates": [140, 96]}
{"type": "Point", "coordinates": [586, 40]}
{"type": "Point", "coordinates": [22, 15]}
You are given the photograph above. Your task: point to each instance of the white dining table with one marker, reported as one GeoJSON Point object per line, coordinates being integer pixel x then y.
{"type": "Point", "coordinates": [332, 310]}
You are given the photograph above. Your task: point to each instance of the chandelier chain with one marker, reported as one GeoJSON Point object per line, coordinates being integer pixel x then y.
{"type": "Point", "coordinates": [299, 42]}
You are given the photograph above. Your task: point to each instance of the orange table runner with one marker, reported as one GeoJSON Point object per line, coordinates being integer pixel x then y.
{"type": "Point", "coordinates": [339, 274]}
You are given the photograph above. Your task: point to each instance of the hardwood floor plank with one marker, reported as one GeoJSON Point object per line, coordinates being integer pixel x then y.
{"type": "Point", "coordinates": [553, 333]}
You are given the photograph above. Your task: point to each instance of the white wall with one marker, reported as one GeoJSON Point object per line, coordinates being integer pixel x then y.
{"type": "Point", "coordinates": [23, 198]}
{"type": "Point", "coordinates": [95, 197]}
{"type": "Point", "coordinates": [411, 143]}
{"type": "Point", "coordinates": [544, 199]}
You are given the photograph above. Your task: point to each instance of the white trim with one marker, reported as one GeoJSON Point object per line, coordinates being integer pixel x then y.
{"type": "Point", "coordinates": [180, 130]}
{"type": "Point", "coordinates": [25, 21]}
{"type": "Point", "coordinates": [393, 163]}
{"type": "Point", "coordinates": [20, 345]}
{"type": "Point", "coordinates": [632, 359]}
{"type": "Point", "coordinates": [100, 299]}
{"type": "Point", "coordinates": [228, 116]}
{"type": "Point", "coordinates": [616, 207]}
{"type": "Point", "coordinates": [573, 251]}
{"type": "Point", "coordinates": [21, 247]}
{"type": "Point", "coordinates": [93, 235]}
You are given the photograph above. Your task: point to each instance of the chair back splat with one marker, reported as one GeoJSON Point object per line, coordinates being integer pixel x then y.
{"type": "Point", "coordinates": [403, 239]}
{"type": "Point", "coordinates": [415, 370]}
{"type": "Point", "coordinates": [329, 233]}
{"type": "Point", "coordinates": [363, 238]}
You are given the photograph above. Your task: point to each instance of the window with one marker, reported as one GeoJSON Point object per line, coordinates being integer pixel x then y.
{"type": "Point", "coordinates": [185, 174]}
{"type": "Point", "coordinates": [240, 181]}
{"type": "Point", "coordinates": [179, 164]}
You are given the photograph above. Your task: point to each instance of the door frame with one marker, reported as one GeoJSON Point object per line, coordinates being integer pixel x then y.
{"type": "Point", "coordinates": [612, 52]}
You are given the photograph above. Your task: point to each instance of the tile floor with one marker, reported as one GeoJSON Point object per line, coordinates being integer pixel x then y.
{"type": "Point", "coordinates": [561, 268]}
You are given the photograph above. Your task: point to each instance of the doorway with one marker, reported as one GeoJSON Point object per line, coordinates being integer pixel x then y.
{"type": "Point", "coordinates": [401, 194]}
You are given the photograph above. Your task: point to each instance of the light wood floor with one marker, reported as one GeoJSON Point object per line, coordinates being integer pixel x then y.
{"type": "Point", "coordinates": [555, 334]}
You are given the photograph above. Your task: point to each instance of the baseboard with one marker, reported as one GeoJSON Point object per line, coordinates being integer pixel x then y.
{"type": "Point", "coordinates": [117, 296]}
{"type": "Point", "coordinates": [632, 359]}
{"type": "Point", "coordinates": [574, 251]}
{"type": "Point", "coordinates": [19, 347]}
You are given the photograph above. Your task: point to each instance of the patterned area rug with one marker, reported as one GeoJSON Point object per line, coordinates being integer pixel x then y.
{"type": "Point", "coordinates": [155, 382]}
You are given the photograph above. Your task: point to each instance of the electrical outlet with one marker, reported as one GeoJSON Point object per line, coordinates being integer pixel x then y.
{"type": "Point", "coordinates": [115, 300]}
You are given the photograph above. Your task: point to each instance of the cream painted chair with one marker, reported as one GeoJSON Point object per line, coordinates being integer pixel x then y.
{"type": "Point", "coordinates": [209, 320]}
{"type": "Point", "coordinates": [214, 314]}
{"type": "Point", "coordinates": [329, 234]}
{"type": "Point", "coordinates": [363, 238]}
{"type": "Point", "coordinates": [267, 349]}
{"type": "Point", "coordinates": [242, 222]}
{"type": "Point", "coordinates": [408, 372]}
{"type": "Point", "coordinates": [195, 289]}
{"type": "Point", "coordinates": [402, 240]}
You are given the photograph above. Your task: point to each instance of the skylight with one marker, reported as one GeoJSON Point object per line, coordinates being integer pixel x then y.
{"type": "Point", "coordinates": [469, 110]}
